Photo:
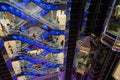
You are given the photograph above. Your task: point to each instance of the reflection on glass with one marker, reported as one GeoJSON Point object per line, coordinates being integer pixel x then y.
{"type": "Point", "coordinates": [116, 45]}
{"type": "Point", "coordinates": [84, 56]}
{"type": "Point", "coordinates": [116, 73]}
{"type": "Point", "coordinates": [114, 24]}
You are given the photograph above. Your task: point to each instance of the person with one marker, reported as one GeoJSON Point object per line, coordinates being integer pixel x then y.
{"type": "Point", "coordinates": [34, 36]}
{"type": "Point", "coordinates": [62, 43]}
{"type": "Point", "coordinates": [3, 28]}
{"type": "Point", "coordinates": [10, 26]}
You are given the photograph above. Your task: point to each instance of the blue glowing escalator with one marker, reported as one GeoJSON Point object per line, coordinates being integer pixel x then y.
{"type": "Point", "coordinates": [36, 61]}
{"type": "Point", "coordinates": [44, 5]}
{"type": "Point", "coordinates": [32, 19]}
{"type": "Point", "coordinates": [29, 73]}
{"type": "Point", "coordinates": [32, 42]}
{"type": "Point", "coordinates": [6, 6]}
{"type": "Point", "coordinates": [40, 39]}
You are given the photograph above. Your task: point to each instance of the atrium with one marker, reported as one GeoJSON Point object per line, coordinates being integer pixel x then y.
{"type": "Point", "coordinates": [59, 39]}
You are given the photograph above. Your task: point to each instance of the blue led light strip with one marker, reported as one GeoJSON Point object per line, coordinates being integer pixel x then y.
{"type": "Point", "coordinates": [85, 15]}
{"type": "Point", "coordinates": [32, 42]}
{"type": "Point", "coordinates": [30, 65]}
{"type": "Point", "coordinates": [25, 2]}
{"type": "Point", "coordinates": [45, 35]}
{"type": "Point", "coordinates": [44, 53]}
{"type": "Point", "coordinates": [32, 73]}
{"type": "Point", "coordinates": [44, 69]}
{"type": "Point", "coordinates": [1, 44]}
{"type": "Point", "coordinates": [52, 31]}
{"type": "Point", "coordinates": [45, 5]}
{"type": "Point", "coordinates": [37, 61]}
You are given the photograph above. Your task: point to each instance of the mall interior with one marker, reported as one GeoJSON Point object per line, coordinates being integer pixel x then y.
{"type": "Point", "coordinates": [59, 40]}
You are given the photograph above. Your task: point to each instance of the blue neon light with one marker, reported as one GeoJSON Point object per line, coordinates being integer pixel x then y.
{"type": "Point", "coordinates": [14, 78]}
{"type": "Point", "coordinates": [37, 61]}
{"type": "Point", "coordinates": [25, 2]}
{"type": "Point", "coordinates": [67, 13]}
{"type": "Point", "coordinates": [84, 23]}
{"type": "Point", "coordinates": [44, 53]}
{"type": "Point", "coordinates": [67, 24]}
{"type": "Point", "coordinates": [45, 5]}
{"type": "Point", "coordinates": [32, 42]}
{"type": "Point", "coordinates": [33, 74]}
{"type": "Point", "coordinates": [58, 32]}
{"type": "Point", "coordinates": [45, 35]}
{"type": "Point", "coordinates": [1, 44]}
{"type": "Point", "coordinates": [85, 14]}
{"type": "Point", "coordinates": [51, 65]}
{"type": "Point", "coordinates": [3, 7]}
{"type": "Point", "coordinates": [27, 48]}
{"type": "Point", "coordinates": [69, 4]}
{"type": "Point", "coordinates": [9, 65]}
{"type": "Point", "coordinates": [23, 29]}
{"type": "Point", "coordinates": [45, 27]}
{"type": "Point", "coordinates": [29, 73]}
{"type": "Point", "coordinates": [30, 65]}
{"type": "Point", "coordinates": [44, 69]}
{"type": "Point", "coordinates": [52, 31]}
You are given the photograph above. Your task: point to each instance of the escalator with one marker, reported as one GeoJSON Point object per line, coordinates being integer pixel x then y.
{"type": "Point", "coordinates": [32, 42]}
{"type": "Point", "coordinates": [39, 39]}
{"type": "Point", "coordinates": [36, 61]}
{"type": "Point", "coordinates": [20, 24]}
{"type": "Point", "coordinates": [17, 12]}
{"type": "Point", "coordinates": [52, 29]}
{"type": "Point", "coordinates": [42, 68]}
{"type": "Point", "coordinates": [26, 15]}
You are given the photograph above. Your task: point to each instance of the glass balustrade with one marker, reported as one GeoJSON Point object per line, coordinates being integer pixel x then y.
{"type": "Point", "coordinates": [50, 20]}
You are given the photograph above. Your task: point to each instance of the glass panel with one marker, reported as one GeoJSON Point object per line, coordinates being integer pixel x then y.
{"type": "Point", "coordinates": [35, 34]}
{"type": "Point", "coordinates": [114, 23]}
{"type": "Point", "coordinates": [116, 73]}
